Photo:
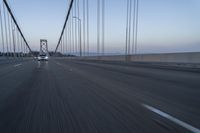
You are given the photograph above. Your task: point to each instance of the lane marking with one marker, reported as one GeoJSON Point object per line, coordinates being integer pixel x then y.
{"type": "Point", "coordinates": [58, 64]}
{"type": "Point", "coordinates": [39, 64]}
{"type": "Point", "coordinates": [17, 65]}
{"type": "Point", "coordinates": [173, 119]}
{"type": "Point", "coordinates": [64, 66]}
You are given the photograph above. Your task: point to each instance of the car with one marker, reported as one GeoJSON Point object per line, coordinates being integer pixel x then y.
{"type": "Point", "coordinates": [43, 57]}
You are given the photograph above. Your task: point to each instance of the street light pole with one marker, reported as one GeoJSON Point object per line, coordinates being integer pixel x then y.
{"type": "Point", "coordinates": [80, 37]}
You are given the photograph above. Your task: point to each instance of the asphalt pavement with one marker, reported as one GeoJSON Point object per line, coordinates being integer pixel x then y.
{"type": "Point", "coordinates": [76, 96]}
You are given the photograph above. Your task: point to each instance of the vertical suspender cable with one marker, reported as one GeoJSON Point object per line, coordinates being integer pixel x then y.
{"type": "Point", "coordinates": [64, 41]}
{"type": "Point", "coordinates": [79, 28]}
{"type": "Point", "coordinates": [22, 45]}
{"type": "Point", "coordinates": [9, 33]}
{"type": "Point", "coordinates": [24, 48]}
{"type": "Point", "coordinates": [80, 37]}
{"type": "Point", "coordinates": [66, 44]}
{"type": "Point", "coordinates": [62, 44]}
{"type": "Point", "coordinates": [67, 33]}
{"type": "Point", "coordinates": [2, 31]}
{"type": "Point", "coordinates": [6, 33]}
{"type": "Point", "coordinates": [73, 40]}
{"type": "Point", "coordinates": [18, 42]}
{"type": "Point", "coordinates": [98, 26]}
{"type": "Point", "coordinates": [68, 48]}
{"type": "Point", "coordinates": [13, 36]}
{"type": "Point", "coordinates": [75, 13]}
{"type": "Point", "coordinates": [69, 38]}
{"type": "Point", "coordinates": [84, 27]}
{"type": "Point", "coordinates": [127, 23]}
{"type": "Point", "coordinates": [136, 27]}
{"type": "Point", "coordinates": [21, 52]}
{"type": "Point", "coordinates": [66, 38]}
{"type": "Point", "coordinates": [129, 32]}
{"type": "Point", "coordinates": [134, 11]}
{"type": "Point", "coordinates": [71, 32]}
{"type": "Point", "coordinates": [26, 51]}
{"type": "Point", "coordinates": [103, 27]}
{"type": "Point", "coordinates": [88, 45]}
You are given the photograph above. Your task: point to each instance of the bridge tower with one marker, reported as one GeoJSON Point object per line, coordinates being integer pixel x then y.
{"type": "Point", "coordinates": [43, 47]}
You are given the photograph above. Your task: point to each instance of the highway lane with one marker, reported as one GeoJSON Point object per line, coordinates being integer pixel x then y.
{"type": "Point", "coordinates": [11, 76]}
{"type": "Point", "coordinates": [176, 92]}
{"type": "Point", "coordinates": [79, 96]}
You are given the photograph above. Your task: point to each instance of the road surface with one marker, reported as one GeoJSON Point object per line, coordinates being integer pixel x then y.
{"type": "Point", "coordinates": [72, 96]}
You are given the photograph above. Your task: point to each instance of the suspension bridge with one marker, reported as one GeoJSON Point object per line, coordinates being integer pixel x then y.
{"type": "Point", "coordinates": [81, 91]}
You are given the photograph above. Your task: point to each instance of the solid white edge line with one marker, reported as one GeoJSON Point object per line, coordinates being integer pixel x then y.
{"type": "Point", "coordinates": [17, 65]}
{"type": "Point", "coordinates": [173, 119]}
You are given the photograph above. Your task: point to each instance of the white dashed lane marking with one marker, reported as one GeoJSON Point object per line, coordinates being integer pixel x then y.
{"type": "Point", "coordinates": [17, 65]}
{"type": "Point", "coordinates": [173, 119]}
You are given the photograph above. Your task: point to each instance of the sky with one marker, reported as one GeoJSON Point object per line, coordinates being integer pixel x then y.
{"type": "Point", "coordinates": [164, 25]}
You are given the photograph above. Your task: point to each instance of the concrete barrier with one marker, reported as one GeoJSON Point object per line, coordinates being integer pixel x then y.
{"type": "Point", "coordinates": [169, 58]}
{"type": "Point", "coordinates": [192, 57]}
{"type": "Point", "coordinates": [5, 60]}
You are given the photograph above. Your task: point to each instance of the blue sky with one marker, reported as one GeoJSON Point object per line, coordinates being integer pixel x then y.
{"type": "Point", "coordinates": [164, 25]}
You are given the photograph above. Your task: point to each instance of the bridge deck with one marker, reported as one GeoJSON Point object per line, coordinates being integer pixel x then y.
{"type": "Point", "coordinates": [73, 96]}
